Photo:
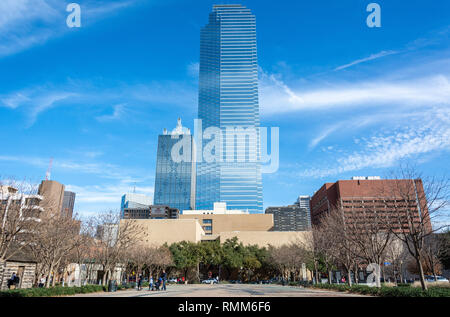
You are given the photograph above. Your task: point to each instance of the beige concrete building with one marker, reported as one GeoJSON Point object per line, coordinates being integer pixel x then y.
{"type": "Point", "coordinates": [254, 230]}
{"type": "Point", "coordinates": [159, 231]}
{"type": "Point", "coordinates": [264, 239]}
{"type": "Point", "coordinates": [217, 223]}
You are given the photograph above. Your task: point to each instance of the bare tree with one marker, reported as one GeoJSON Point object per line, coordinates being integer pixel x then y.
{"type": "Point", "coordinates": [312, 251]}
{"type": "Point", "coordinates": [84, 253]}
{"type": "Point", "coordinates": [53, 241]}
{"type": "Point", "coordinates": [113, 239]}
{"type": "Point", "coordinates": [279, 258]}
{"type": "Point", "coordinates": [433, 250]}
{"type": "Point", "coordinates": [414, 202]}
{"type": "Point", "coordinates": [397, 256]}
{"type": "Point", "coordinates": [343, 249]}
{"type": "Point", "coordinates": [366, 230]}
{"type": "Point", "coordinates": [323, 248]}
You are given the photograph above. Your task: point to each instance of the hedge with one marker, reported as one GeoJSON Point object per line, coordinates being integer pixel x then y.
{"type": "Point", "coordinates": [385, 291]}
{"type": "Point", "coordinates": [52, 291]}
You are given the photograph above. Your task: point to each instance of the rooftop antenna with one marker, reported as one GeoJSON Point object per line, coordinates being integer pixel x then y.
{"type": "Point", "coordinates": [134, 188]}
{"type": "Point", "coordinates": [47, 174]}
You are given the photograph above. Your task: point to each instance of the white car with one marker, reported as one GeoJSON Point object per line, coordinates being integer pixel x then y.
{"type": "Point", "coordinates": [210, 281]}
{"type": "Point", "coordinates": [431, 279]}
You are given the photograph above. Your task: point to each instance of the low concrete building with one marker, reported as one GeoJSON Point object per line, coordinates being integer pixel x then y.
{"type": "Point", "coordinates": [217, 223]}
{"type": "Point", "coordinates": [156, 232]}
{"type": "Point", "coordinates": [159, 231]}
{"type": "Point", "coordinates": [264, 239]}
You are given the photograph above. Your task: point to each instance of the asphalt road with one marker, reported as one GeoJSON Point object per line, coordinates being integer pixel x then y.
{"type": "Point", "coordinates": [224, 290]}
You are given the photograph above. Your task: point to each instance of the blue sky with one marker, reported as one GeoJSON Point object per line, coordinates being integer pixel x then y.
{"type": "Point", "coordinates": [349, 100]}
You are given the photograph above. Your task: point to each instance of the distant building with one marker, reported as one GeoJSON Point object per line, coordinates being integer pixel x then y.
{"type": "Point", "coordinates": [289, 218]}
{"type": "Point", "coordinates": [53, 193]}
{"type": "Point", "coordinates": [175, 177]}
{"type": "Point", "coordinates": [132, 200]}
{"type": "Point", "coordinates": [219, 208]}
{"type": "Point", "coordinates": [305, 202]}
{"type": "Point", "coordinates": [370, 195]}
{"type": "Point", "coordinates": [26, 204]}
{"type": "Point", "coordinates": [68, 203]}
{"type": "Point", "coordinates": [151, 212]}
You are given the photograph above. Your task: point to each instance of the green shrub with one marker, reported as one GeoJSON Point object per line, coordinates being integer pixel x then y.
{"type": "Point", "coordinates": [52, 291]}
{"type": "Point", "coordinates": [387, 291]}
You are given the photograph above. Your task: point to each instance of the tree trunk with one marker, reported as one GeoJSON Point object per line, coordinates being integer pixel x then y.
{"type": "Point", "coordinates": [329, 277]}
{"type": "Point", "coordinates": [49, 275]}
{"type": "Point", "coordinates": [316, 270]}
{"type": "Point", "coordinates": [2, 273]}
{"type": "Point", "coordinates": [421, 274]}
{"type": "Point", "coordinates": [418, 258]}
{"type": "Point", "coordinates": [349, 276]}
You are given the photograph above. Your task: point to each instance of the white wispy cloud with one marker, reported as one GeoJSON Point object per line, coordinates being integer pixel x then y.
{"type": "Point", "coordinates": [27, 23]}
{"type": "Point", "coordinates": [118, 113]}
{"type": "Point", "coordinates": [107, 193]}
{"type": "Point", "coordinates": [428, 132]}
{"type": "Point", "coordinates": [101, 169]}
{"type": "Point", "coordinates": [37, 99]}
{"type": "Point", "coordinates": [366, 59]}
{"type": "Point", "coordinates": [278, 97]}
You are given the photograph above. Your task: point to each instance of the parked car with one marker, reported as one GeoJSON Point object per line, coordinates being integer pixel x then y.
{"type": "Point", "coordinates": [172, 280]}
{"type": "Point", "coordinates": [430, 279]}
{"type": "Point", "coordinates": [210, 281]}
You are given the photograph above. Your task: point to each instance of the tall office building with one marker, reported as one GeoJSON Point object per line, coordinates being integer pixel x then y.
{"type": "Point", "coordinates": [175, 176]}
{"type": "Point", "coordinates": [68, 204]}
{"type": "Point", "coordinates": [228, 99]}
{"type": "Point", "coordinates": [53, 196]}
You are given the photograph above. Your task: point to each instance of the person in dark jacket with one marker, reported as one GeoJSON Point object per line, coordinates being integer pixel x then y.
{"type": "Point", "coordinates": [139, 284]}
{"type": "Point", "coordinates": [164, 279]}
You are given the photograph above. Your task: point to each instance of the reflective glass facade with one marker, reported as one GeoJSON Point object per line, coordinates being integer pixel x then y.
{"type": "Point", "coordinates": [228, 97]}
{"type": "Point", "coordinates": [173, 180]}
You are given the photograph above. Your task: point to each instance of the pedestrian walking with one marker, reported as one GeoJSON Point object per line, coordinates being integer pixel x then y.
{"type": "Point", "coordinates": [164, 279]}
{"type": "Point", "coordinates": [150, 283]}
{"type": "Point", "coordinates": [139, 284]}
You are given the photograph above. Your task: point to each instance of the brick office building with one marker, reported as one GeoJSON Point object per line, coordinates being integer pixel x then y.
{"type": "Point", "coordinates": [372, 195]}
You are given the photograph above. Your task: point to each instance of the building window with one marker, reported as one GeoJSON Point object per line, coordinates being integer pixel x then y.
{"type": "Point", "coordinates": [207, 221]}
{"type": "Point", "coordinates": [208, 228]}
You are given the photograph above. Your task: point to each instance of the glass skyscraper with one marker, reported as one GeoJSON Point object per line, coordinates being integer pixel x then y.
{"type": "Point", "coordinates": [228, 99]}
{"type": "Point", "coordinates": [175, 180]}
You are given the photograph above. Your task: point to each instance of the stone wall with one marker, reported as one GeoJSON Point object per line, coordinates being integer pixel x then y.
{"type": "Point", "coordinates": [28, 274]}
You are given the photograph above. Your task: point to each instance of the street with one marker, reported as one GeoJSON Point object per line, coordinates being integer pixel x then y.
{"type": "Point", "coordinates": [224, 290]}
